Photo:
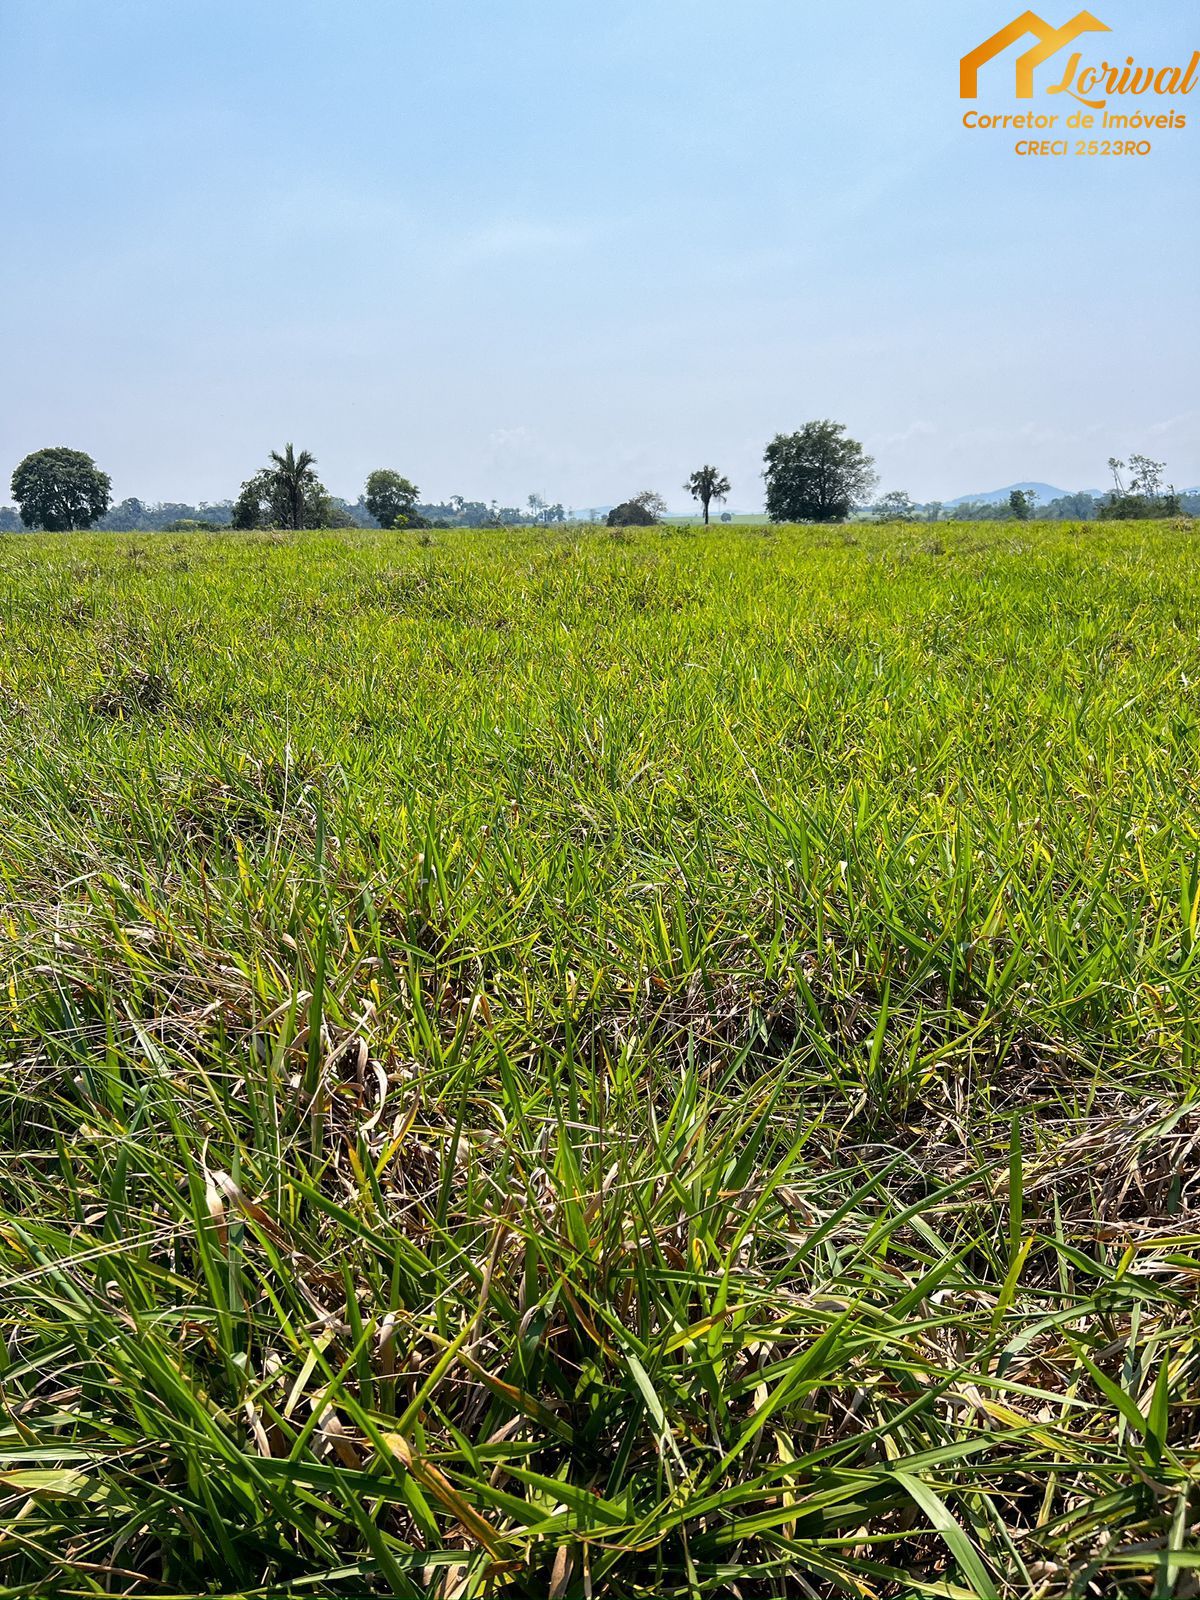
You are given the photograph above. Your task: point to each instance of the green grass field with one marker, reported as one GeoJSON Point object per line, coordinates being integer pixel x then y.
{"type": "Point", "coordinates": [582, 1063]}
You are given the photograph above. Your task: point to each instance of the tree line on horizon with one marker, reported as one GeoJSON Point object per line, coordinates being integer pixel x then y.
{"type": "Point", "coordinates": [817, 474]}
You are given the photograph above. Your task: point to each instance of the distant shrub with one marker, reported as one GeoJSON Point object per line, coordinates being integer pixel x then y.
{"type": "Point", "coordinates": [1138, 507]}
{"type": "Point", "coordinates": [630, 515]}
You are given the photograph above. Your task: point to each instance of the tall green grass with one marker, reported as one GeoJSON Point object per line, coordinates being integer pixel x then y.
{"type": "Point", "coordinates": [600, 1063]}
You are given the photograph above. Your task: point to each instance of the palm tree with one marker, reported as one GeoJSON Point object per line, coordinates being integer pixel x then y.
{"type": "Point", "coordinates": [293, 475]}
{"type": "Point", "coordinates": [705, 485]}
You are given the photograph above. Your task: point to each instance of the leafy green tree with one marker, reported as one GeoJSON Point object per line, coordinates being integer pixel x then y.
{"type": "Point", "coordinates": [59, 489]}
{"type": "Point", "coordinates": [1146, 476]}
{"type": "Point", "coordinates": [392, 499]}
{"type": "Point", "coordinates": [1021, 503]}
{"type": "Point", "coordinates": [1137, 507]}
{"type": "Point", "coordinates": [286, 494]}
{"type": "Point", "coordinates": [1079, 507]}
{"type": "Point", "coordinates": [895, 506]}
{"type": "Point", "coordinates": [1144, 496]}
{"type": "Point", "coordinates": [817, 474]}
{"type": "Point", "coordinates": [629, 515]}
{"type": "Point", "coordinates": [253, 506]}
{"type": "Point", "coordinates": [130, 514]}
{"type": "Point", "coordinates": [707, 484]}
{"type": "Point", "coordinates": [639, 511]}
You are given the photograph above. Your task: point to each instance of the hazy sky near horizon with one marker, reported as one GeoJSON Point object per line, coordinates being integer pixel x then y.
{"type": "Point", "coordinates": [577, 250]}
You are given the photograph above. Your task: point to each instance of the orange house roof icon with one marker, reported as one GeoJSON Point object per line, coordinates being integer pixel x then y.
{"type": "Point", "coordinates": [1050, 41]}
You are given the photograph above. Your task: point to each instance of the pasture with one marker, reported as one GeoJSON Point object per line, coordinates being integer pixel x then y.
{"type": "Point", "coordinates": [575, 1062]}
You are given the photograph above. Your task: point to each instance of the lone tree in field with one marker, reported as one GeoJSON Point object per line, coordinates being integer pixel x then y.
{"type": "Point", "coordinates": [1021, 503]}
{"type": "Point", "coordinates": [59, 489]}
{"type": "Point", "coordinates": [816, 475]}
{"type": "Point", "coordinates": [287, 494]}
{"type": "Point", "coordinates": [293, 476]}
{"type": "Point", "coordinates": [391, 499]}
{"type": "Point", "coordinates": [707, 484]}
{"type": "Point", "coordinates": [639, 511]}
{"type": "Point", "coordinates": [895, 506]}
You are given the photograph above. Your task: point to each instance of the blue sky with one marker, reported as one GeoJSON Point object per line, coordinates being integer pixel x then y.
{"type": "Point", "coordinates": [576, 250]}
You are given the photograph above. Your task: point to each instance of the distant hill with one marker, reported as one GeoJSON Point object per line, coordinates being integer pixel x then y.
{"type": "Point", "coordinates": [1044, 492]}
{"type": "Point", "coordinates": [993, 497]}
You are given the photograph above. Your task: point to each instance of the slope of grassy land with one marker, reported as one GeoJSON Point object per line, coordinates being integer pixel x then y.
{"type": "Point", "coordinates": [583, 1063]}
